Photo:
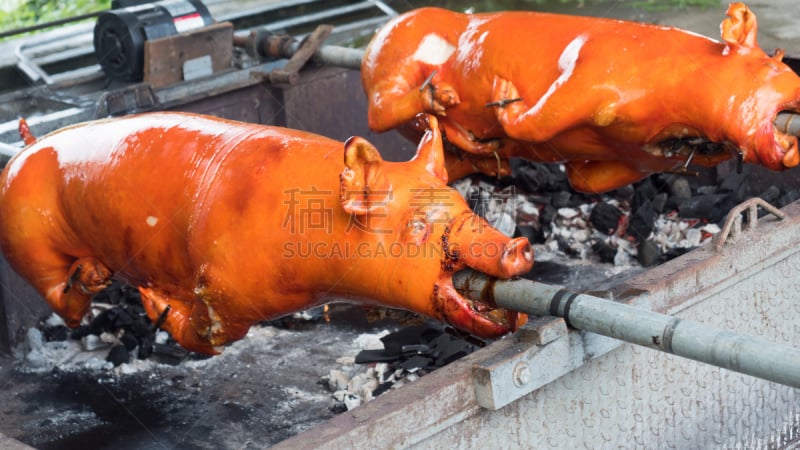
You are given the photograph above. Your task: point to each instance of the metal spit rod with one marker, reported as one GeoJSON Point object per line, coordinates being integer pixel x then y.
{"type": "Point", "coordinates": [749, 355]}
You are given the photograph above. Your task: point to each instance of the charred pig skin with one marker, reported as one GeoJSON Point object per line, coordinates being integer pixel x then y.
{"type": "Point", "coordinates": [613, 100]}
{"type": "Point", "coordinates": [227, 224]}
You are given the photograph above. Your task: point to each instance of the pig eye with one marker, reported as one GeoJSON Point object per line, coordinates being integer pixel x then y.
{"type": "Point", "coordinates": [417, 226]}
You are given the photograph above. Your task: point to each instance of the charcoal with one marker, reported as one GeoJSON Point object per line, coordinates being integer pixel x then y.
{"type": "Point", "coordinates": [449, 349]}
{"type": "Point", "coordinates": [708, 190]}
{"type": "Point", "coordinates": [733, 182]}
{"type": "Point", "coordinates": [79, 332]}
{"type": "Point", "coordinates": [578, 199]}
{"type": "Point", "coordinates": [605, 252]}
{"type": "Point", "coordinates": [712, 207]}
{"type": "Point", "coordinates": [393, 343]}
{"type": "Point", "coordinates": [679, 188]}
{"type": "Point", "coordinates": [623, 193]}
{"type": "Point", "coordinates": [417, 349]}
{"type": "Point", "coordinates": [648, 253]}
{"type": "Point", "coordinates": [644, 192]}
{"type": "Point", "coordinates": [338, 408]}
{"type": "Point", "coordinates": [119, 318]}
{"type": "Point", "coordinates": [560, 199]}
{"type": "Point", "coordinates": [118, 355]}
{"type": "Point", "coordinates": [56, 333]}
{"type": "Point", "coordinates": [564, 246]}
{"type": "Point", "coordinates": [383, 387]}
{"type": "Point", "coordinates": [146, 346]}
{"type": "Point", "coordinates": [377, 355]}
{"type": "Point", "coordinates": [537, 178]}
{"type": "Point", "coordinates": [547, 214]}
{"type": "Point", "coordinates": [788, 197]}
{"type": "Point", "coordinates": [169, 353]}
{"type": "Point", "coordinates": [141, 327]}
{"type": "Point", "coordinates": [415, 362]}
{"type": "Point", "coordinates": [532, 233]}
{"type": "Point", "coordinates": [102, 322]}
{"type": "Point", "coordinates": [675, 252]}
{"type": "Point", "coordinates": [642, 222]}
{"type": "Point", "coordinates": [660, 202]}
{"type": "Point", "coordinates": [605, 217]}
{"type": "Point", "coordinates": [129, 341]}
{"type": "Point", "coordinates": [771, 194]}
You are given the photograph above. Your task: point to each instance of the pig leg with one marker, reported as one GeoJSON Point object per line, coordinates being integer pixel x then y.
{"type": "Point", "coordinates": [182, 320]}
{"type": "Point", "coordinates": [549, 116]}
{"type": "Point", "coordinates": [77, 282]}
{"type": "Point", "coordinates": [396, 101]}
{"type": "Point", "coordinates": [461, 165]}
{"type": "Point", "coordinates": [601, 176]}
{"type": "Point", "coordinates": [466, 141]}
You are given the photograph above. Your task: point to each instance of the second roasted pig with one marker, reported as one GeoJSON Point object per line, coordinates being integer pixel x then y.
{"type": "Point", "coordinates": [613, 100]}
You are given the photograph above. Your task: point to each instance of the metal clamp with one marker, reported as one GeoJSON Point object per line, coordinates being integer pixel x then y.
{"type": "Point", "coordinates": [525, 366]}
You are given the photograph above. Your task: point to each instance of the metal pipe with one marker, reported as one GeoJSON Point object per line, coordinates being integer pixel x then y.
{"type": "Point", "coordinates": [788, 122]}
{"type": "Point", "coordinates": [336, 55]}
{"type": "Point", "coordinates": [749, 355]}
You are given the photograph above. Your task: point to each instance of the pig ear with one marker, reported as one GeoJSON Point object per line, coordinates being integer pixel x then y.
{"type": "Point", "coordinates": [362, 179]}
{"type": "Point", "coordinates": [740, 27]}
{"type": "Point", "coordinates": [430, 152]}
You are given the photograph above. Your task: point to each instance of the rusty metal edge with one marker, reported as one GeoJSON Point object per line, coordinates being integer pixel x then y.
{"type": "Point", "coordinates": [405, 417]}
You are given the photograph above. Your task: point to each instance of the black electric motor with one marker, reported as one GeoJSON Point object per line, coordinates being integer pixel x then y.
{"type": "Point", "coordinates": [120, 34]}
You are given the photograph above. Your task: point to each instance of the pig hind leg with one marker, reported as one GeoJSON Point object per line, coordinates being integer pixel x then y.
{"type": "Point", "coordinates": [185, 321]}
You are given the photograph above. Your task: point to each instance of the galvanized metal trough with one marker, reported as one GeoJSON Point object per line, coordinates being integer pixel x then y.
{"type": "Point", "coordinates": [553, 387]}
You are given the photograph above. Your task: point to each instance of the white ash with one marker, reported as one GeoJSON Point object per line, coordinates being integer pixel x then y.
{"type": "Point", "coordinates": [571, 224]}
{"type": "Point", "coordinates": [354, 384]}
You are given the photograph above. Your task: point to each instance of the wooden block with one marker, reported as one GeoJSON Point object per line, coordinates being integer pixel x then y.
{"type": "Point", "coordinates": [185, 56]}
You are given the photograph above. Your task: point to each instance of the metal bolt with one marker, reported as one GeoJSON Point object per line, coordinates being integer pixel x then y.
{"type": "Point", "coordinates": [522, 374]}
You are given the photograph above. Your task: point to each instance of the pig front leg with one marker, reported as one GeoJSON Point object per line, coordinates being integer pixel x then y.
{"type": "Point", "coordinates": [559, 109]}
{"type": "Point", "coordinates": [396, 101]}
{"type": "Point", "coordinates": [71, 296]}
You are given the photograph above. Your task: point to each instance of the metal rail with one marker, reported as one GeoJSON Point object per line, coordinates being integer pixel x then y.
{"type": "Point", "coordinates": [749, 355]}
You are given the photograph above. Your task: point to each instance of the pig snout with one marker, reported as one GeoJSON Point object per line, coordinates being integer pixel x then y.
{"type": "Point", "coordinates": [478, 245]}
{"type": "Point", "coordinates": [516, 259]}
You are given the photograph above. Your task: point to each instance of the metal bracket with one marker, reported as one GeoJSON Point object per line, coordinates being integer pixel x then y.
{"type": "Point", "coordinates": [542, 351]}
{"type": "Point", "coordinates": [733, 222]}
{"type": "Point", "coordinates": [132, 99]}
{"type": "Point", "coordinates": [525, 366]}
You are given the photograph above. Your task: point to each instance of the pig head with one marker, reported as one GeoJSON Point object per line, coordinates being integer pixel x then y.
{"type": "Point", "coordinates": [613, 100]}
{"type": "Point", "coordinates": [222, 224]}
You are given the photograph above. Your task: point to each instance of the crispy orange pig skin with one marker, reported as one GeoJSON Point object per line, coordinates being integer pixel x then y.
{"type": "Point", "coordinates": [611, 99]}
{"type": "Point", "coordinates": [228, 224]}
